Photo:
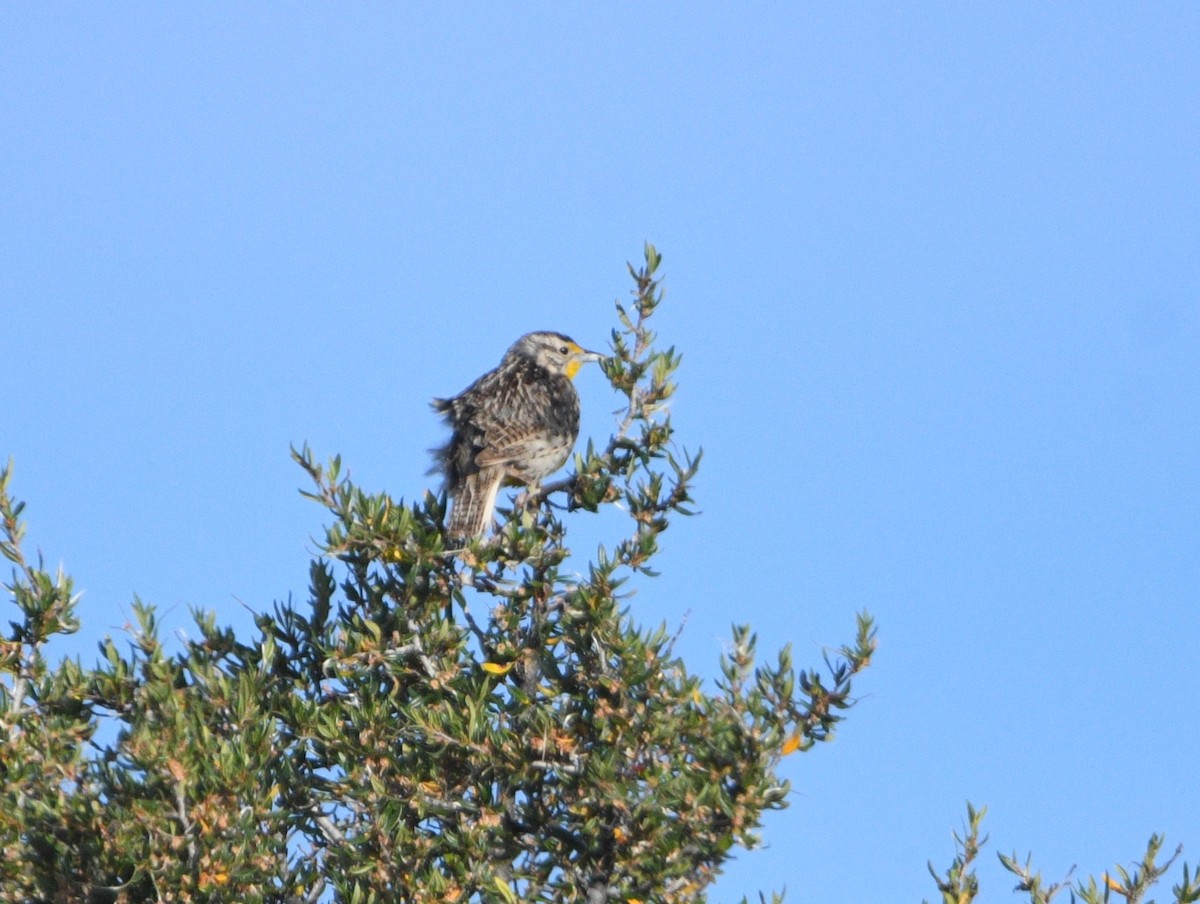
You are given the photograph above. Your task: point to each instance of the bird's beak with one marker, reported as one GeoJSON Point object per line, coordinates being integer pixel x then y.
{"type": "Point", "coordinates": [579, 357]}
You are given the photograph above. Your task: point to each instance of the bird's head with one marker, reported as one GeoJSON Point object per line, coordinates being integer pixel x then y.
{"type": "Point", "coordinates": [557, 353]}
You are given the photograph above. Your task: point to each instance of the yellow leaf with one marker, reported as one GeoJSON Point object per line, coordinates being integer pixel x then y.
{"type": "Point", "coordinates": [1113, 884]}
{"type": "Point", "coordinates": [791, 745]}
{"type": "Point", "coordinates": [495, 668]}
{"type": "Point", "coordinates": [504, 890]}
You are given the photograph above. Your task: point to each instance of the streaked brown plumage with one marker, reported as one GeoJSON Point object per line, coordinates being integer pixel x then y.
{"type": "Point", "coordinates": [515, 424]}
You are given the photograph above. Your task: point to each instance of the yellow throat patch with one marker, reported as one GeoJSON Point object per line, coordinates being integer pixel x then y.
{"type": "Point", "coordinates": [573, 365]}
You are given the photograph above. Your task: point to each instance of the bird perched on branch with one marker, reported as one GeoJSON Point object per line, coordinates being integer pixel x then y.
{"type": "Point", "coordinates": [515, 424]}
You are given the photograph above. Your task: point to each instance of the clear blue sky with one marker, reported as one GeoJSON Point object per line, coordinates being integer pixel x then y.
{"type": "Point", "coordinates": [934, 269]}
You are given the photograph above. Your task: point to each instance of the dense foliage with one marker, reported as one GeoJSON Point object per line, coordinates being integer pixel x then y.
{"type": "Point", "coordinates": [486, 724]}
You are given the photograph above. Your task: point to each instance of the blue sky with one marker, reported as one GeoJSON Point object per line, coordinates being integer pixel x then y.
{"type": "Point", "coordinates": [933, 268]}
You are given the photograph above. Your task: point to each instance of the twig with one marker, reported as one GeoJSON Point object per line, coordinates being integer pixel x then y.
{"type": "Point", "coordinates": [331, 832]}
{"type": "Point", "coordinates": [185, 822]}
{"type": "Point", "coordinates": [426, 662]}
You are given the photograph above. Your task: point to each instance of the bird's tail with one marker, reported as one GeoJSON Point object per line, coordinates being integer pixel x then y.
{"type": "Point", "coordinates": [471, 513]}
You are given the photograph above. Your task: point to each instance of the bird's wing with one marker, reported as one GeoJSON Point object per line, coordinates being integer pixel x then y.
{"type": "Point", "coordinates": [521, 417]}
{"type": "Point", "coordinates": [514, 449]}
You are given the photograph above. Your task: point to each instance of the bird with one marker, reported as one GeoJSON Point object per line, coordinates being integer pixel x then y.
{"type": "Point", "coordinates": [516, 424]}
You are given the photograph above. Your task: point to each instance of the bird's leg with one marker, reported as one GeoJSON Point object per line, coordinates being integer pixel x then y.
{"type": "Point", "coordinates": [529, 496]}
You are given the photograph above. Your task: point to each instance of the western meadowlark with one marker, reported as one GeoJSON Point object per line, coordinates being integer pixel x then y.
{"type": "Point", "coordinates": [515, 424]}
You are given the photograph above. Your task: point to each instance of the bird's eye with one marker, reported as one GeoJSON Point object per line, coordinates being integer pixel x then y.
{"type": "Point", "coordinates": [563, 350]}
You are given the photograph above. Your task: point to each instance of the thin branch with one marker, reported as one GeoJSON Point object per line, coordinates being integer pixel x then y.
{"type": "Point", "coordinates": [185, 822]}
{"type": "Point", "coordinates": [426, 663]}
{"type": "Point", "coordinates": [331, 832]}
